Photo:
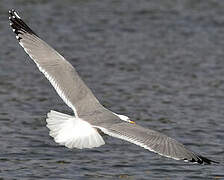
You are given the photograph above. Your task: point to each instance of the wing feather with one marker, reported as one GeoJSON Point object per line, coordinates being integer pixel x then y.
{"type": "Point", "coordinates": [57, 70]}
{"type": "Point", "coordinates": [153, 141]}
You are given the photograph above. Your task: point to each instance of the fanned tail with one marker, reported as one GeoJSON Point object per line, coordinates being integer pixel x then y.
{"type": "Point", "coordinates": [72, 132]}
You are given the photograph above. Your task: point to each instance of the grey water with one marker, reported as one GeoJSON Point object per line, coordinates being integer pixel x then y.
{"type": "Point", "coordinates": [159, 62]}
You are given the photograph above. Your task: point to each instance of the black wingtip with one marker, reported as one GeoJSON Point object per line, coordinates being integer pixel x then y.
{"type": "Point", "coordinates": [205, 160]}
{"type": "Point", "coordinates": [13, 14]}
{"type": "Point", "coordinates": [202, 160]}
{"type": "Point", "coordinates": [11, 11]}
{"type": "Point", "coordinates": [18, 25]}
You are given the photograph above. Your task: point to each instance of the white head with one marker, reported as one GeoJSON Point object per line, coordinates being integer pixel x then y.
{"type": "Point", "coordinates": [124, 118]}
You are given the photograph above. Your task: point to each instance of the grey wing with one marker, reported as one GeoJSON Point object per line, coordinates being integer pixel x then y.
{"type": "Point", "coordinates": [57, 70]}
{"type": "Point", "coordinates": [153, 141]}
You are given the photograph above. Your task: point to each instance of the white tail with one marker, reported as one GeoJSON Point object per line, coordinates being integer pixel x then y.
{"type": "Point", "coordinates": [72, 132]}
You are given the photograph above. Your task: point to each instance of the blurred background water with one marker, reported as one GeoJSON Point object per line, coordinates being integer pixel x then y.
{"type": "Point", "coordinates": [159, 62]}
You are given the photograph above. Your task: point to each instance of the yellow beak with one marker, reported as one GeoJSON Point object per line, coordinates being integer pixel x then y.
{"type": "Point", "coordinates": [132, 122]}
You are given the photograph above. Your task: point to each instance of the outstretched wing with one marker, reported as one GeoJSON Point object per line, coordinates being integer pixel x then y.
{"type": "Point", "coordinates": [153, 141]}
{"type": "Point", "coordinates": [57, 70]}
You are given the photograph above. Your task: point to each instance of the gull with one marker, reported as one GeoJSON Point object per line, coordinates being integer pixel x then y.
{"type": "Point", "coordinates": [90, 119]}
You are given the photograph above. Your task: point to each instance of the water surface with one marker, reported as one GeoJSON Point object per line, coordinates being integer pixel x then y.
{"type": "Point", "coordinates": [158, 62]}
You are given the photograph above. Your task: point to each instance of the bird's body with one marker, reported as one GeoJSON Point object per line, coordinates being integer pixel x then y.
{"type": "Point", "coordinates": [81, 130]}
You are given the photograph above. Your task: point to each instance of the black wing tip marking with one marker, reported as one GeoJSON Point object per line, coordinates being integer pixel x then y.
{"type": "Point", "coordinates": [18, 25]}
{"type": "Point", "coordinates": [201, 160]}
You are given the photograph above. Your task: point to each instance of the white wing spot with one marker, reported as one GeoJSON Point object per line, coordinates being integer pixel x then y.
{"type": "Point", "coordinates": [17, 15]}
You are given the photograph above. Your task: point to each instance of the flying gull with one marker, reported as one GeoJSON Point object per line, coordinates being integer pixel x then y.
{"type": "Point", "coordinates": [82, 129]}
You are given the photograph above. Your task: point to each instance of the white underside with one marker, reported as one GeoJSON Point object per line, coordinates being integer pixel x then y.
{"type": "Point", "coordinates": [72, 132]}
